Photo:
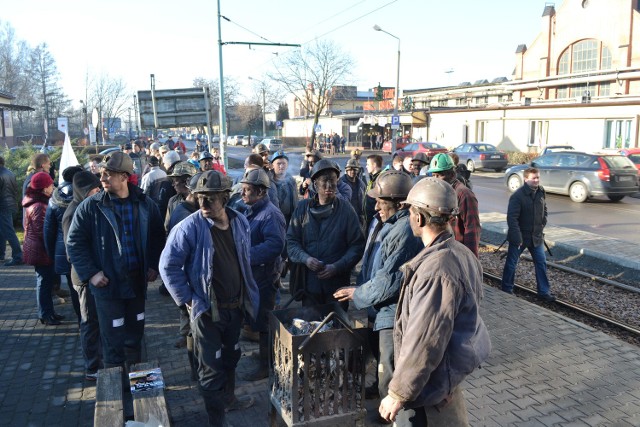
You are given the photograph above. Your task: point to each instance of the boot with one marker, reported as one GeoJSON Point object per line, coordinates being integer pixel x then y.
{"type": "Point", "coordinates": [261, 371]}
{"type": "Point", "coordinates": [214, 404]}
{"type": "Point", "coordinates": [231, 401]}
{"type": "Point", "coordinates": [192, 361]}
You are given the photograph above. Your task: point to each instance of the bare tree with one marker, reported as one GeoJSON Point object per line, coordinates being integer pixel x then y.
{"type": "Point", "coordinates": [250, 115]}
{"type": "Point", "coordinates": [310, 73]}
{"type": "Point", "coordinates": [231, 95]}
{"type": "Point", "coordinates": [111, 97]}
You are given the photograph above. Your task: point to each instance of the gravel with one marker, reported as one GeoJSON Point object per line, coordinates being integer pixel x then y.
{"type": "Point", "coordinates": [604, 299]}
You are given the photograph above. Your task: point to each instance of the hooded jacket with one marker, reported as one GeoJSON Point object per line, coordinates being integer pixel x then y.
{"type": "Point", "coordinates": [94, 244]}
{"type": "Point", "coordinates": [53, 233]}
{"type": "Point", "coordinates": [83, 183]}
{"type": "Point", "coordinates": [336, 239]}
{"type": "Point", "coordinates": [439, 337]}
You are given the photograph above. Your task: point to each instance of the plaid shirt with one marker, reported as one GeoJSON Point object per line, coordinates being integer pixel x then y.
{"type": "Point", "coordinates": [467, 227]}
{"type": "Point", "coordinates": [124, 213]}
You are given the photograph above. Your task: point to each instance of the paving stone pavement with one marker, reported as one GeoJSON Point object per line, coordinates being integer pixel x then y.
{"type": "Point", "coordinates": [544, 369]}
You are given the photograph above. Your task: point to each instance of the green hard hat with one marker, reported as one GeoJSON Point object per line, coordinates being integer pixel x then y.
{"type": "Point", "coordinates": [441, 162]}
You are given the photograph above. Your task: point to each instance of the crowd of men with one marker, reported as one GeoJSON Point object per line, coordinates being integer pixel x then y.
{"type": "Point", "coordinates": [221, 249]}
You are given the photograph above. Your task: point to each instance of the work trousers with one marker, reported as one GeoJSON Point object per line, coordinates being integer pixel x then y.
{"type": "Point", "coordinates": [89, 329]}
{"type": "Point", "coordinates": [216, 348]}
{"type": "Point", "coordinates": [454, 414]}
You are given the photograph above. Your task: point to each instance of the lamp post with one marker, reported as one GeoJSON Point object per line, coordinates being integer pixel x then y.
{"type": "Point", "coordinates": [264, 123]}
{"type": "Point", "coordinates": [397, 94]}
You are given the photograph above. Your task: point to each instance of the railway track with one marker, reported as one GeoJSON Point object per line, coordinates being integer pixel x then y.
{"type": "Point", "coordinates": [602, 303]}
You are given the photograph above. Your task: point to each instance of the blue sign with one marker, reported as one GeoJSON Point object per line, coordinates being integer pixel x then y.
{"type": "Point", "coordinates": [318, 128]}
{"type": "Point", "coordinates": [395, 120]}
{"type": "Point", "coordinates": [279, 124]}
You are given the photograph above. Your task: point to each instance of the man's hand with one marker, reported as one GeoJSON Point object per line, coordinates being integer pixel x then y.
{"type": "Point", "coordinates": [344, 294]}
{"type": "Point", "coordinates": [314, 264]}
{"type": "Point", "coordinates": [389, 408]}
{"type": "Point", "coordinates": [329, 271]}
{"type": "Point", "coordinates": [152, 275]}
{"type": "Point", "coordinates": [99, 280]}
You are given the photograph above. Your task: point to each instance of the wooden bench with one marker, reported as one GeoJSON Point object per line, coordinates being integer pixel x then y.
{"type": "Point", "coordinates": [109, 410]}
{"type": "Point", "coordinates": [151, 402]}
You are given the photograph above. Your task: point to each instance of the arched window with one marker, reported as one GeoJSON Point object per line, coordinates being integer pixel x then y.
{"type": "Point", "coordinates": [582, 57]}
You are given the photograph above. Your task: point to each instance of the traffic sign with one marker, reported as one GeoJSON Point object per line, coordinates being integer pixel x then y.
{"type": "Point", "coordinates": [86, 131]}
{"type": "Point", "coordinates": [318, 128]}
{"type": "Point", "coordinates": [395, 122]}
{"type": "Point", "coordinates": [278, 124]}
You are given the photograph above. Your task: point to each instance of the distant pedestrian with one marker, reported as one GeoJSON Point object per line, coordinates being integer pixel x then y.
{"type": "Point", "coordinates": [526, 218]}
{"type": "Point", "coordinates": [35, 204]}
{"type": "Point", "coordinates": [8, 207]}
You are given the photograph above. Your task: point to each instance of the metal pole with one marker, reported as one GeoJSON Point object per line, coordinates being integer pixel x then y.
{"type": "Point", "coordinates": [153, 103]}
{"type": "Point", "coordinates": [136, 117]}
{"type": "Point", "coordinates": [264, 106]}
{"type": "Point", "coordinates": [222, 112]}
{"type": "Point", "coordinates": [396, 94]}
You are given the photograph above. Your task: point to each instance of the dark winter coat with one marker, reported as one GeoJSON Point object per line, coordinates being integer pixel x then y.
{"type": "Point", "coordinates": [94, 245]}
{"type": "Point", "coordinates": [527, 216]}
{"type": "Point", "coordinates": [53, 233]}
{"type": "Point", "coordinates": [8, 191]}
{"type": "Point", "coordinates": [35, 210]}
{"type": "Point", "coordinates": [336, 240]}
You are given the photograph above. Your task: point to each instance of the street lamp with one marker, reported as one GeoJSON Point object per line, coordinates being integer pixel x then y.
{"type": "Point", "coordinates": [264, 123]}
{"type": "Point", "coordinates": [397, 94]}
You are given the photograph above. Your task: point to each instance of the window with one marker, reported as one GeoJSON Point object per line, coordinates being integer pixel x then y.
{"type": "Point", "coordinates": [617, 134]}
{"type": "Point", "coordinates": [538, 132]}
{"type": "Point", "coordinates": [583, 57]}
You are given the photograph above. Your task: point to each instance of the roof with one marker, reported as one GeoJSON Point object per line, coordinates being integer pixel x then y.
{"type": "Point", "coordinates": [7, 95]}
{"type": "Point", "coordinates": [12, 107]}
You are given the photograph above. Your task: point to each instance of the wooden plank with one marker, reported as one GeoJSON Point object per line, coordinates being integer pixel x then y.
{"type": "Point", "coordinates": [108, 412]}
{"type": "Point", "coordinates": [150, 402]}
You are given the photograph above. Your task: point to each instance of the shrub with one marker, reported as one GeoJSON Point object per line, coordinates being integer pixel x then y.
{"type": "Point", "coordinates": [518, 157]}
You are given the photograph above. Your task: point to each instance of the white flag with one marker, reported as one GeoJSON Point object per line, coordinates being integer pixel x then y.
{"type": "Point", "coordinates": [68, 157]}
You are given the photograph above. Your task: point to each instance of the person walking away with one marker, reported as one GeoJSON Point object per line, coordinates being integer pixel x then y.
{"type": "Point", "coordinates": [8, 208]}
{"type": "Point", "coordinates": [267, 225]}
{"type": "Point", "coordinates": [114, 245]}
{"type": "Point", "coordinates": [466, 227]}
{"type": "Point", "coordinates": [85, 184]}
{"type": "Point", "coordinates": [35, 204]}
{"type": "Point", "coordinates": [325, 236]}
{"type": "Point", "coordinates": [154, 174]}
{"type": "Point", "coordinates": [439, 337]}
{"type": "Point", "coordinates": [526, 219]}
{"type": "Point", "coordinates": [205, 266]}
{"type": "Point", "coordinates": [390, 244]}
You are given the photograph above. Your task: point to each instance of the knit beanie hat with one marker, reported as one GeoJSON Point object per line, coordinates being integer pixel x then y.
{"type": "Point", "coordinates": [85, 181]}
{"type": "Point", "coordinates": [40, 180]}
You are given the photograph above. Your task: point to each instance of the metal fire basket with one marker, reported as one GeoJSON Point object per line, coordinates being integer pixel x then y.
{"type": "Point", "coordinates": [318, 379]}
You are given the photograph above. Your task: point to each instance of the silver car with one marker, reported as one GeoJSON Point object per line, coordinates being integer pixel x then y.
{"type": "Point", "coordinates": [580, 175]}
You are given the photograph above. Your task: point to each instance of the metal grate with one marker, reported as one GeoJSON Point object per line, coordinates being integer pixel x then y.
{"type": "Point", "coordinates": [318, 379]}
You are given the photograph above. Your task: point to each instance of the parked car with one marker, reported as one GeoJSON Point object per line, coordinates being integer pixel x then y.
{"type": "Point", "coordinates": [554, 148]}
{"type": "Point", "coordinates": [580, 175]}
{"type": "Point", "coordinates": [400, 144]}
{"type": "Point", "coordinates": [632, 154]}
{"type": "Point", "coordinates": [430, 149]}
{"type": "Point", "coordinates": [273, 144]}
{"type": "Point", "coordinates": [479, 155]}
{"type": "Point", "coordinates": [249, 141]}
{"type": "Point", "coordinates": [235, 140]}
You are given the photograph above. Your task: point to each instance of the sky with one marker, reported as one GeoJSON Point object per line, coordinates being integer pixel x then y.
{"type": "Point", "coordinates": [441, 42]}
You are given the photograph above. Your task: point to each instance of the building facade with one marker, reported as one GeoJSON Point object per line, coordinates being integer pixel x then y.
{"type": "Point", "coordinates": [577, 83]}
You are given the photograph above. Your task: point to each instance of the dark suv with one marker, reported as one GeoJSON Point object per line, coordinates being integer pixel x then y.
{"type": "Point", "coordinates": [580, 175]}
